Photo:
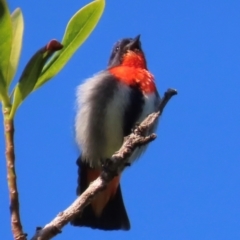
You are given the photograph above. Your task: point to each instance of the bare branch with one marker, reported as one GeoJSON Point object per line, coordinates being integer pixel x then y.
{"type": "Point", "coordinates": [11, 176]}
{"type": "Point", "coordinates": [111, 168]}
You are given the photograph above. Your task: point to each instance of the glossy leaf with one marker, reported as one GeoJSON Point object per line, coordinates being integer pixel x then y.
{"type": "Point", "coordinates": [78, 29]}
{"type": "Point", "coordinates": [3, 91]}
{"type": "Point", "coordinates": [5, 43]}
{"type": "Point", "coordinates": [31, 73]}
{"type": "Point", "coordinates": [17, 28]}
{"type": "Point", "coordinates": [2, 87]}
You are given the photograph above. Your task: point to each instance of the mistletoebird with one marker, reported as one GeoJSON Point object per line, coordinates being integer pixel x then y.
{"type": "Point", "coordinates": [110, 104]}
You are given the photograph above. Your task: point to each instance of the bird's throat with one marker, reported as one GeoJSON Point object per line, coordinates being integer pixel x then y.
{"type": "Point", "coordinates": [134, 59]}
{"type": "Point", "coordinates": [135, 77]}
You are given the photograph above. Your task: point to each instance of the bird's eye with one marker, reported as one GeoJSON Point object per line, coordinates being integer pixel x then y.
{"type": "Point", "coordinates": [117, 49]}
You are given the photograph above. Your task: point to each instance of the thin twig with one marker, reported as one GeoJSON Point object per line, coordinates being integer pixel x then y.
{"type": "Point", "coordinates": [113, 166]}
{"type": "Point", "coordinates": [11, 176]}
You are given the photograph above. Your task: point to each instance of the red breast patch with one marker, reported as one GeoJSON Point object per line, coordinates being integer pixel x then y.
{"type": "Point", "coordinates": [133, 72]}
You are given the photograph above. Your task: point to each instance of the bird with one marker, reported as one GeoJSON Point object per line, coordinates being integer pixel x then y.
{"type": "Point", "coordinates": [109, 105]}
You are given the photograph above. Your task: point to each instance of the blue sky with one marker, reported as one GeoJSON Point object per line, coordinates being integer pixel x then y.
{"type": "Point", "coordinates": [187, 185]}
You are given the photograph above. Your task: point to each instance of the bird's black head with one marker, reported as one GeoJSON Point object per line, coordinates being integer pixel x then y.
{"type": "Point", "coordinates": [122, 47]}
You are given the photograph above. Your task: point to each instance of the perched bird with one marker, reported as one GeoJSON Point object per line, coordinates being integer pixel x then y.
{"type": "Point", "coordinates": [110, 104]}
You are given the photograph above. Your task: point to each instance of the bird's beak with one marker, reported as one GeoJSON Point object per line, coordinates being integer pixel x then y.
{"type": "Point", "coordinates": [135, 43]}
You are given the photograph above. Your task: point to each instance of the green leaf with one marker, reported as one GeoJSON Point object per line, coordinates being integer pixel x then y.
{"type": "Point", "coordinates": [17, 27]}
{"type": "Point", "coordinates": [3, 92]}
{"type": "Point", "coordinates": [2, 86]}
{"type": "Point", "coordinates": [78, 29]}
{"type": "Point", "coordinates": [5, 43]}
{"type": "Point", "coordinates": [31, 73]}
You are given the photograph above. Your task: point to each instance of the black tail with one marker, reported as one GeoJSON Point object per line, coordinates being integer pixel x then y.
{"type": "Point", "coordinates": [113, 216]}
